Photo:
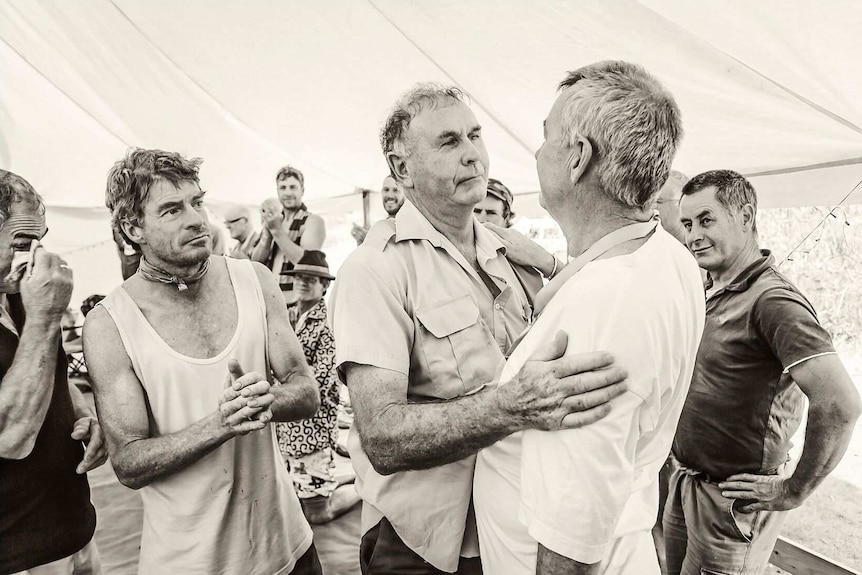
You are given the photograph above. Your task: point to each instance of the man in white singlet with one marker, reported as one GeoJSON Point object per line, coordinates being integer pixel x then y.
{"type": "Point", "coordinates": [191, 358]}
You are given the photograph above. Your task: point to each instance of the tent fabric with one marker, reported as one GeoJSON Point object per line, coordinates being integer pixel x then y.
{"type": "Point", "coordinates": [770, 89]}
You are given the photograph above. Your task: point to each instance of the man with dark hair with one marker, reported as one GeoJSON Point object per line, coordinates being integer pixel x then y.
{"type": "Point", "coordinates": [424, 311]}
{"type": "Point", "coordinates": [583, 501]}
{"type": "Point", "coordinates": [288, 232]}
{"type": "Point", "coordinates": [190, 359]}
{"type": "Point", "coordinates": [763, 351]}
{"type": "Point", "coordinates": [47, 520]}
{"type": "Point", "coordinates": [496, 208]}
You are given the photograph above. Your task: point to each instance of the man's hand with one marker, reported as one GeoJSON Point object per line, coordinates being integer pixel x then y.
{"type": "Point", "coordinates": [245, 404]}
{"type": "Point", "coordinates": [765, 492]}
{"type": "Point", "coordinates": [47, 291]}
{"type": "Point", "coordinates": [523, 251]}
{"type": "Point", "coordinates": [271, 214]}
{"type": "Point", "coordinates": [358, 232]}
{"type": "Point", "coordinates": [88, 430]}
{"type": "Point", "coordinates": [553, 391]}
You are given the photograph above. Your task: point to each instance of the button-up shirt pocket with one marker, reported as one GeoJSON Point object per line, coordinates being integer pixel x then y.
{"type": "Point", "coordinates": [459, 349]}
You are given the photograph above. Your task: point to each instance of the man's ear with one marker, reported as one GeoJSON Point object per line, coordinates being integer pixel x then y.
{"type": "Point", "coordinates": [747, 214]}
{"type": "Point", "coordinates": [580, 159]}
{"type": "Point", "coordinates": [133, 232]}
{"type": "Point", "coordinates": [398, 167]}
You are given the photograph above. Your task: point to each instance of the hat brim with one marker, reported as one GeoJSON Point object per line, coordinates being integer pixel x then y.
{"type": "Point", "coordinates": [309, 272]}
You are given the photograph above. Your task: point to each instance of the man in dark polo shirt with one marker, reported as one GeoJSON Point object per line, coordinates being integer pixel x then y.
{"type": "Point", "coordinates": [46, 518]}
{"type": "Point", "coordinates": [763, 350]}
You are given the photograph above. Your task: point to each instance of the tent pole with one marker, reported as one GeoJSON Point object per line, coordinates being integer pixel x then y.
{"type": "Point", "coordinates": [366, 208]}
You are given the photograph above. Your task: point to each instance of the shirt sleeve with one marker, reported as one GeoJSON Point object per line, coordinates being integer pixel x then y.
{"type": "Point", "coordinates": [369, 316]}
{"type": "Point", "coordinates": [787, 323]}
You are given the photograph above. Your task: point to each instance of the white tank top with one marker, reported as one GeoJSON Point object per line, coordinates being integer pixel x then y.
{"type": "Point", "coordinates": [234, 511]}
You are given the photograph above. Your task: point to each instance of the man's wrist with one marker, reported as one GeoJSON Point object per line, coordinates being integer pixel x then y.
{"type": "Point", "coordinates": [510, 418]}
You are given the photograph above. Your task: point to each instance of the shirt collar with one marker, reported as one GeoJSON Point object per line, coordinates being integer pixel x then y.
{"type": "Point", "coordinates": [747, 276]}
{"type": "Point", "coordinates": [411, 224]}
{"type": "Point", "coordinates": [316, 313]}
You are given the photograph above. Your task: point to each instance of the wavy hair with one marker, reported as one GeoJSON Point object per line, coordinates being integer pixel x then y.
{"type": "Point", "coordinates": [129, 182]}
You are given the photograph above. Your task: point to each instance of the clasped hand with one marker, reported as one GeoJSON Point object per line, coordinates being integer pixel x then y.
{"type": "Point", "coordinates": [245, 404]}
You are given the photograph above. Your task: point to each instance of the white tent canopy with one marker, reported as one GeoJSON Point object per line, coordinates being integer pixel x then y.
{"type": "Point", "coordinates": [771, 89]}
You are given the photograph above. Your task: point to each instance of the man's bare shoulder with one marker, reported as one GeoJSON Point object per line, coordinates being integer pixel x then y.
{"type": "Point", "coordinates": [266, 278]}
{"type": "Point", "coordinates": [101, 335]}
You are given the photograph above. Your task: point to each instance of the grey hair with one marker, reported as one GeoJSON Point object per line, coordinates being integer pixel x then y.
{"type": "Point", "coordinates": [393, 135]}
{"type": "Point", "coordinates": [632, 122]}
{"type": "Point", "coordinates": [15, 189]}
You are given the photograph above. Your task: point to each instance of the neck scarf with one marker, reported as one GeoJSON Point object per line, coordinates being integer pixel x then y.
{"type": "Point", "coordinates": [154, 274]}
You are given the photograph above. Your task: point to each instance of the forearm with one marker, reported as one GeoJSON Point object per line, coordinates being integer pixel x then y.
{"type": "Point", "coordinates": [141, 461]}
{"type": "Point", "coordinates": [291, 250]}
{"type": "Point", "coordinates": [27, 388]}
{"type": "Point", "coordinates": [297, 398]}
{"type": "Point", "coordinates": [79, 403]}
{"type": "Point", "coordinates": [827, 436]}
{"type": "Point", "coordinates": [550, 563]}
{"type": "Point", "coordinates": [402, 437]}
{"type": "Point", "coordinates": [263, 250]}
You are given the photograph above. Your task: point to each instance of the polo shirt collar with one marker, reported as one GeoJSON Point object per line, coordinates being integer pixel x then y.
{"type": "Point", "coordinates": [747, 276]}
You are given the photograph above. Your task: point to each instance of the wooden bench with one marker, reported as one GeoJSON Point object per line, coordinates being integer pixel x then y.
{"type": "Point", "coordinates": [798, 560]}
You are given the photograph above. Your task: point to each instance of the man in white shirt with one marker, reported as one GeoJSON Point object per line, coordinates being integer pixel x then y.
{"type": "Point", "coordinates": [584, 500]}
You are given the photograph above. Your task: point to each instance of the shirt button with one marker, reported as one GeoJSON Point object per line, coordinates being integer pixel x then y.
{"type": "Point", "coordinates": [497, 306]}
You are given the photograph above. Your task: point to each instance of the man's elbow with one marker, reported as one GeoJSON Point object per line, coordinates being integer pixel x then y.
{"type": "Point", "coordinates": [841, 410]}
{"type": "Point", "coordinates": [380, 451]}
{"type": "Point", "coordinates": [309, 401]}
{"type": "Point", "coordinates": [853, 408]}
{"type": "Point", "coordinates": [130, 480]}
{"type": "Point", "coordinates": [127, 475]}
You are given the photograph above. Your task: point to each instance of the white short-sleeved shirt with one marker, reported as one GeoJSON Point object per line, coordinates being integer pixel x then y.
{"type": "Point", "coordinates": [579, 492]}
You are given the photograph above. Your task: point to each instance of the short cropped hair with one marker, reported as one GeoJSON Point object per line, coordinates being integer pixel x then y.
{"type": "Point", "coordinates": [732, 189]}
{"type": "Point", "coordinates": [427, 95]}
{"type": "Point", "coordinates": [15, 189]}
{"type": "Point", "coordinates": [129, 182]}
{"type": "Point", "coordinates": [632, 122]}
{"type": "Point", "coordinates": [290, 172]}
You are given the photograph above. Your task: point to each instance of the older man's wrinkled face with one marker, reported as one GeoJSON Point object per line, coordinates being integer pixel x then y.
{"type": "Point", "coordinates": [448, 163]}
{"type": "Point", "coordinates": [392, 196]}
{"type": "Point", "coordinates": [24, 225]}
{"type": "Point", "coordinates": [552, 161]}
